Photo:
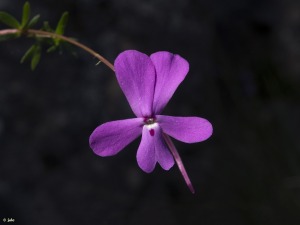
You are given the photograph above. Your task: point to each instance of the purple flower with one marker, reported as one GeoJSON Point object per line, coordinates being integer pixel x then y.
{"type": "Point", "coordinates": [148, 84]}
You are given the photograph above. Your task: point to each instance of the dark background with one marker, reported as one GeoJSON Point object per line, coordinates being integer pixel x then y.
{"type": "Point", "coordinates": [244, 78]}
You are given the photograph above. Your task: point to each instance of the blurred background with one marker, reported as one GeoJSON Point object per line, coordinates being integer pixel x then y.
{"type": "Point", "coordinates": [244, 78]}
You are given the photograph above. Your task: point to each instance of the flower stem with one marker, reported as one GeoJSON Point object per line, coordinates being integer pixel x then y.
{"type": "Point", "coordinates": [179, 162]}
{"type": "Point", "coordinates": [46, 34]}
{"type": "Point", "coordinates": [8, 31]}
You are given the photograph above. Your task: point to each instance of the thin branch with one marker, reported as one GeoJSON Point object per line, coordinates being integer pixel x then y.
{"type": "Point", "coordinates": [9, 31]}
{"type": "Point", "coordinates": [46, 34]}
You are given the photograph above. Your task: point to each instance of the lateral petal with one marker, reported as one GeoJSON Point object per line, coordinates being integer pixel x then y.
{"type": "Point", "coordinates": [171, 70]}
{"type": "Point", "coordinates": [110, 138]}
{"type": "Point", "coordinates": [136, 76]}
{"type": "Point", "coordinates": [186, 129]}
{"type": "Point", "coordinates": [163, 154]}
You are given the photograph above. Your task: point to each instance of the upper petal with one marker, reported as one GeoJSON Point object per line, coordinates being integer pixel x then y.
{"type": "Point", "coordinates": [186, 129]}
{"type": "Point", "coordinates": [171, 70]}
{"type": "Point", "coordinates": [136, 76]}
{"type": "Point", "coordinates": [110, 138]}
{"type": "Point", "coordinates": [153, 149]}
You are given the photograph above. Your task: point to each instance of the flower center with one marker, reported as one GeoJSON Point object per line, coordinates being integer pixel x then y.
{"type": "Point", "coordinates": [150, 122]}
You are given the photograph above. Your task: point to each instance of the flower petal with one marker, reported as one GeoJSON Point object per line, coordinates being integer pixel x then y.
{"type": "Point", "coordinates": [110, 138]}
{"type": "Point", "coordinates": [163, 154]}
{"type": "Point", "coordinates": [186, 129]}
{"type": "Point", "coordinates": [146, 152]}
{"type": "Point", "coordinates": [153, 149]}
{"type": "Point", "coordinates": [171, 70]}
{"type": "Point", "coordinates": [136, 76]}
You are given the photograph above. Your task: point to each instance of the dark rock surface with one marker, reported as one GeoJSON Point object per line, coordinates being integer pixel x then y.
{"type": "Point", "coordinates": [244, 77]}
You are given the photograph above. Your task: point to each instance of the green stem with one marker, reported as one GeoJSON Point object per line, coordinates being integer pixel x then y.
{"type": "Point", "coordinates": [46, 34]}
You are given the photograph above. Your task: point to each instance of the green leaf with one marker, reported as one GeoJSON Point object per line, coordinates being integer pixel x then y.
{"type": "Point", "coordinates": [9, 20]}
{"type": "Point", "coordinates": [33, 21]}
{"type": "Point", "coordinates": [34, 52]}
{"type": "Point", "coordinates": [52, 49]}
{"type": "Point", "coordinates": [8, 36]}
{"type": "Point", "coordinates": [60, 28]}
{"type": "Point", "coordinates": [36, 57]}
{"type": "Point", "coordinates": [46, 27]}
{"type": "Point", "coordinates": [25, 15]}
{"type": "Point", "coordinates": [29, 53]}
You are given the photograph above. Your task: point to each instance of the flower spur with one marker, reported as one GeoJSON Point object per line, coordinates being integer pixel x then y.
{"type": "Point", "coordinates": [148, 84]}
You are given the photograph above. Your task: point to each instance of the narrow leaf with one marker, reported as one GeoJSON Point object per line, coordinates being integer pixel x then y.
{"type": "Point", "coordinates": [46, 27]}
{"type": "Point", "coordinates": [60, 28]}
{"type": "Point", "coordinates": [52, 49]}
{"type": "Point", "coordinates": [36, 58]}
{"type": "Point", "coordinates": [9, 20]}
{"type": "Point", "coordinates": [33, 21]}
{"type": "Point", "coordinates": [8, 36]}
{"type": "Point", "coordinates": [25, 15]}
{"type": "Point", "coordinates": [29, 53]}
